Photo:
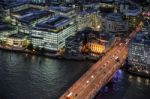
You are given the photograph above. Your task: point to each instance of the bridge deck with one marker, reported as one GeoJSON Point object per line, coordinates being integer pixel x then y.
{"type": "Point", "coordinates": [100, 73]}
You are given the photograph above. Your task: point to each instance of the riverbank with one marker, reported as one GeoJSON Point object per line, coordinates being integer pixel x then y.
{"type": "Point", "coordinates": [51, 55]}
{"type": "Point", "coordinates": [139, 73]}
{"type": "Point", "coordinates": [134, 72]}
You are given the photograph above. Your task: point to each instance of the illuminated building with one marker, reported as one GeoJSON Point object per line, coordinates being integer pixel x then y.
{"type": "Point", "coordinates": [96, 47]}
{"type": "Point", "coordinates": [89, 18]}
{"type": "Point", "coordinates": [6, 30]}
{"type": "Point", "coordinates": [17, 40]}
{"type": "Point", "coordinates": [139, 50]}
{"type": "Point", "coordinates": [100, 42]}
{"type": "Point", "coordinates": [52, 33]}
{"type": "Point", "coordinates": [27, 18]}
{"type": "Point", "coordinates": [132, 13]}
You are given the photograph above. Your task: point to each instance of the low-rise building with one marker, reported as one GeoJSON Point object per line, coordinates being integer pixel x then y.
{"type": "Point", "coordinates": [74, 45]}
{"type": "Point", "coordinates": [89, 18]}
{"type": "Point", "coordinates": [100, 42]}
{"type": "Point", "coordinates": [62, 10]}
{"type": "Point", "coordinates": [6, 30]}
{"type": "Point", "coordinates": [52, 33]}
{"type": "Point", "coordinates": [17, 40]}
{"type": "Point", "coordinates": [115, 23]}
{"type": "Point", "coordinates": [146, 21]}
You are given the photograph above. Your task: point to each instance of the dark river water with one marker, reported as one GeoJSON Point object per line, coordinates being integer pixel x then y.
{"type": "Point", "coordinates": [25, 76]}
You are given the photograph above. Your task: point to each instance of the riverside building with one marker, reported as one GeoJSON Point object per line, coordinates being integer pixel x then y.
{"type": "Point", "coordinates": [52, 33]}
{"type": "Point", "coordinates": [139, 50]}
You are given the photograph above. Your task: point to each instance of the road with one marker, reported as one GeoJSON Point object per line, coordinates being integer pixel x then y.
{"type": "Point", "coordinates": [100, 73]}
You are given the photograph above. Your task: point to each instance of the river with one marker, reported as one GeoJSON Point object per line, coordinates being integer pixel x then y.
{"type": "Point", "coordinates": [24, 76]}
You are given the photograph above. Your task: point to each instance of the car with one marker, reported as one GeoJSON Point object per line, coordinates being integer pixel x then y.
{"type": "Point", "coordinates": [104, 65]}
{"type": "Point", "coordinates": [118, 51]}
{"type": "Point", "coordinates": [113, 56]}
{"type": "Point", "coordinates": [107, 62]}
{"type": "Point", "coordinates": [87, 81]}
{"type": "Point", "coordinates": [120, 44]}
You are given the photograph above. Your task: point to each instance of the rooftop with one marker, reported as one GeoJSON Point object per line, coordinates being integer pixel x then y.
{"type": "Point", "coordinates": [9, 5]}
{"type": "Point", "coordinates": [54, 23]}
{"type": "Point", "coordinates": [5, 27]}
{"type": "Point", "coordinates": [74, 39]}
{"type": "Point", "coordinates": [89, 11]}
{"type": "Point", "coordinates": [134, 11]}
{"type": "Point", "coordinates": [18, 36]}
{"type": "Point", "coordinates": [114, 17]}
{"type": "Point", "coordinates": [101, 36]}
{"type": "Point", "coordinates": [26, 11]}
{"type": "Point", "coordinates": [31, 17]}
{"type": "Point", "coordinates": [143, 38]}
{"type": "Point", "coordinates": [60, 9]}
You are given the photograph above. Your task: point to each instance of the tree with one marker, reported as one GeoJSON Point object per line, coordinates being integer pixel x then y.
{"type": "Point", "coordinates": [2, 13]}
{"type": "Point", "coordinates": [30, 46]}
{"type": "Point", "coordinates": [37, 49]}
{"type": "Point", "coordinates": [43, 50]}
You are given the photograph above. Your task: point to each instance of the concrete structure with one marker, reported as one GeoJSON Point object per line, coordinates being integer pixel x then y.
{"type": "Point", "coordinates": [115, 23]}
{"type": "Point", "coordinates": [100, 42]}
{"type": "Point", "coordinates": [6, 30]}
{"type": "Point", "coordinates": [27, 18]}
{"type": "Point", "coordinates": [139, 50]}
{"type": "Point", "coordinates": [52, 33]}
{"type": "Point", "coordinates": [62, 10]}
{"type": "Point", "coordinates": [74, 45]}
{"type": "Point", "coordinates": [17, 40]}
{"type": "Point", "coordinates": [130, 10]}
{"type": "Point", "coordinates": [89, 18]}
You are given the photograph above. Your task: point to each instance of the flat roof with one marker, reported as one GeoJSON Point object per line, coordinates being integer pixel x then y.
{"type": "Point", "coordinates": [31, 14]}
{"type": "Point", "coordinates": [89, 11]}
{"type": "Point", "coordinates": [5, 27]}
{"type": "Point", "coordinates": [61, 8]}
{"type": "Point", "coordinates": [142, 37]}
{"type": "Point", "coordinates": [30, 17]}
{"type": "Point", "coordinates": [114, 16]}
{"type": "Point", "coordinates": [26, 11]}
{"type": "Point", "coordinates": [53, 23]}
{"type": "Point", "coordinates": [18, 35]}
{"type": "Point", "coordinates": [10, 5]}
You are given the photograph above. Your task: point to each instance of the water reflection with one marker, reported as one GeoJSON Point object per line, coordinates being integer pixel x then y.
{"type": "Point", "coordinates": [32, 77]}
{"type": "Point", "coordinates": [125, 86]}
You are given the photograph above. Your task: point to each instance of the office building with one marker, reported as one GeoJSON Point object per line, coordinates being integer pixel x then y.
{"type": "Point", "coordinates": [89, 18]}
{"type": "Point", "coordinates": [115, 23]}
{"type": "Point", "coordinates": [139, 50]}
{"type": "Point", "coordinates": [27, 18]}
{"type": "Point", "coordinates": [6, 30]}
{"type": "Point", "coordinates": [74, 45]}
{"type": "Point", "coordinates": [62, 10]}
{"type": "Point", "coordinates": [52, 33]}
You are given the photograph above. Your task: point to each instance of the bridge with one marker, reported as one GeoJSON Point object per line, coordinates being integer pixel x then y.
{"type": "Point", "coordinates": [100, 73]}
